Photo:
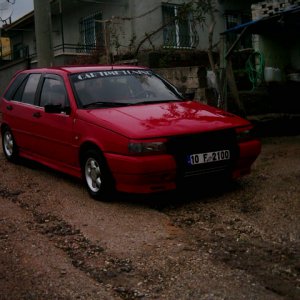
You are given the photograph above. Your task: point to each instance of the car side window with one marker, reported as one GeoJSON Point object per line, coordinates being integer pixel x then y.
{"type": "Point", "coordinates": [18, 81]}
{"type": "Point", "coordinates": [28, 94]}
{"type": "Point", "coordinates": [53, 93]}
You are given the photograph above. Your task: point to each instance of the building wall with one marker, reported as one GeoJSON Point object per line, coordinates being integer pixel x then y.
{"type": "Point", "coordinates": [153, 20]}
{"type": "Point", "coordinates": [8, 71]}
{"type": "Point", "coordinates": [274, 52]}
{"type": "Point", "coordinates": [74, 11]}
{"type": "Point", "coordinates": [131, 20]}
{"type": "Point", "coordinates": [125, 30]}
{"type": "Point", "coordinates": [184, 78]}
{"type": "Point", "coordinates": [24, 36]}
{"type": "Point", "coordinates": [281, 50]}
{"type": "Point", "coordinates": [295, 54]}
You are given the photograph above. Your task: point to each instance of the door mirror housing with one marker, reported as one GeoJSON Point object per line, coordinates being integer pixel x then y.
{"type": "Point", "coordinates": [56, 109]}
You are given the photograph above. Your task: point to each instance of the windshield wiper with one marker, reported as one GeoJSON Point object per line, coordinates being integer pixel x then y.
{"type": "Point", "coordinates": [156, 101]}
{"type": "Point", "coordinates": [105, 104]}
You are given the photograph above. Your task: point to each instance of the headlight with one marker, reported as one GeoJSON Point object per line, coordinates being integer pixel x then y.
{"type": "Point", "coordinates": [244, 133]}
{"type": "Point", "coordinates": [150, 147]}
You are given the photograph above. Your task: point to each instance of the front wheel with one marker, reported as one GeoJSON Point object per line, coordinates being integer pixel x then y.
{"type": "Point", "coordinates": [9, 145]}
{"type": "Point", "coordinates": [96, 174]}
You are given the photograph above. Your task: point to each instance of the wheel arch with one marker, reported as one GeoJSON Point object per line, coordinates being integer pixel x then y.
{"type": "Point", "coordinates": [88, 146]}
{"type": "Point", "coordinates": [11, 152]}
{"type": "Point", "coordinates": [2, 127]}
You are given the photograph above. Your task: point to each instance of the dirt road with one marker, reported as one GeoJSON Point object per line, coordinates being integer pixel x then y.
{"type": "Point", "coordinates": [238, 243]}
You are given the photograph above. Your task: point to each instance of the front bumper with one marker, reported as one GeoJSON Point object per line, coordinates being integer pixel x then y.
{"type": "Point", "coordinates": [249, 151]}
{"type": "Point", "coordinates": [157, 173]}
{"type": "Point", "coordinates": [143, 174]}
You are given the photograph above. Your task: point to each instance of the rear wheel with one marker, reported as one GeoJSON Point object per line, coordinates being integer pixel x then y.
{"type": "Point", "coordinates": [10, 148]}
{"type": "Point", "coordinates": [96, 174]}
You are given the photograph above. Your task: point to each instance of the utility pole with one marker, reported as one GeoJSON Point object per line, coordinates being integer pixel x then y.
{"type": "Point", "coordinates": [43, 33]}
{"type": "Point", "coordinates": [106, 33]}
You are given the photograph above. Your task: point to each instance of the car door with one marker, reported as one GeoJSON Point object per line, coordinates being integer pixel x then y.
{"type": "Point", "coordinates": [19, 108]}
{"type": "Point", "coordinates": [55, 129]}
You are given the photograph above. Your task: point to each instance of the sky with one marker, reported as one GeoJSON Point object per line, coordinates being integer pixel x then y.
{"type": "Point", "coordinates": [19, 8]}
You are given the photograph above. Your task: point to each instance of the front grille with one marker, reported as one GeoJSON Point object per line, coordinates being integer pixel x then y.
{"type": "Point", "coordinates": [183, 146]}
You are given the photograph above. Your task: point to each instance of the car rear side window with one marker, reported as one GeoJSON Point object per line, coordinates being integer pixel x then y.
{"type": "Point", "coordinates": [11, 91]}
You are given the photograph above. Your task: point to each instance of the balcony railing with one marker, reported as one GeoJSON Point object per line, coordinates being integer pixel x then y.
{"type": "Point", "coordinates": [76, 49]}
{"type": "Point", "coordinates": [22, 52]}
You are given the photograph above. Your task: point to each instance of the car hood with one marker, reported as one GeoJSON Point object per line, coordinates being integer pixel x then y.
{"type": "Point", "coordinates": [163, 119]}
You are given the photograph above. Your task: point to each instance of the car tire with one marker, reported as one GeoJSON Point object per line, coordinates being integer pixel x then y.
{"type": "Point", "coordinates": [9, 146]}
{"type": "Point", "coordinates": [96, 174]}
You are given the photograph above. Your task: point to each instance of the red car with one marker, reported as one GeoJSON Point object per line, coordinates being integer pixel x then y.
{"type": "Point", "coordinates": [121, 128]}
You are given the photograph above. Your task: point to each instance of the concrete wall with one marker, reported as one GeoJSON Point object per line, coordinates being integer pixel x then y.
{"type": "Point", "coordinates": [184, 78]}
{"type": "Point", "coordinates": [187, 81]}
{"type": "Point", "coordinates": [7, 72]}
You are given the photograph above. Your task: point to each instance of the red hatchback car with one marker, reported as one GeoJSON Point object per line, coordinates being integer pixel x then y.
{"type": "Point", "coordinates": [121, 128]}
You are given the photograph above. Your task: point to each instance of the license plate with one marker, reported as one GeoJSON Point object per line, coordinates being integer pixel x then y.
{"type": "Point", "coordinates": [202, 158]}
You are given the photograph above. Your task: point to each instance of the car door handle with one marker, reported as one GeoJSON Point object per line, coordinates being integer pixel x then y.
{"type": "Point", "coordinates": [37, 114]}
{"type": "Point", "coordinates": [9, 107]}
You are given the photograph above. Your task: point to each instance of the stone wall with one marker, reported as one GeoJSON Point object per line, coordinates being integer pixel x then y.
{"type": "Point", "coordinates": [184, 78]}
{"type": "Point", "coordinates": [193, 80]}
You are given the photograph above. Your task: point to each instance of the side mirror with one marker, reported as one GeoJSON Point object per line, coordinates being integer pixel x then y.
{"type": "Point", "coordinates": [57, 109]}
{"type": "Point", "coordinates": [189, 95]}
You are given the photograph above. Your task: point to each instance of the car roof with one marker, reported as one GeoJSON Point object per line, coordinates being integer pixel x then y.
{"type": "Point", "coordinates": [72, 69]}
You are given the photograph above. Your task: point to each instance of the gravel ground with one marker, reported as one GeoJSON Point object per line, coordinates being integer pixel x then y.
{"type": "Point", "coordinates": [237, 242]}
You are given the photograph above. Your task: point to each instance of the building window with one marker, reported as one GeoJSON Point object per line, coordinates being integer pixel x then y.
{"type": "Point", "coordinates": [91, 32]}
{"type": "Point", "coordinates": [177, 32]}
{"type": "Point", "coordinates": [234, 19]}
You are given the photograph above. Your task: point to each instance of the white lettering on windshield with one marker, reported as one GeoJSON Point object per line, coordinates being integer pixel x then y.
{"type": "Point", "coordinates": [90, 75]}
{"type": "Point", "coordinates": [86, 76]}
{"type": "Point", "coordinates": [108, 73]}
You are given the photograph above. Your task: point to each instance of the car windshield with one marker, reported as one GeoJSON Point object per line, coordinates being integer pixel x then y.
{"type": "Point", "coordinates": [127, 87]}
